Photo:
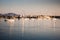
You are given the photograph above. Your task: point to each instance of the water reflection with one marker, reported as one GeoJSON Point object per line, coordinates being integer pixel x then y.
{"type": "Point", "coordinates": [26, 28]}
{"type": "Point", "coordinates": [33, 25]}
{"type": "Point", "coordinates": [10, 22]}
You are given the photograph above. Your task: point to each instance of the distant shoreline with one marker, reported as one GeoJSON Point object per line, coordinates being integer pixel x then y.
{"type": "Point", "coordinates": [13, 15]}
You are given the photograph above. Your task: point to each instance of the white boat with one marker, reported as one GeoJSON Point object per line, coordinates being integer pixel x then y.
{"type": "Point", "coordinates": [9, 19]}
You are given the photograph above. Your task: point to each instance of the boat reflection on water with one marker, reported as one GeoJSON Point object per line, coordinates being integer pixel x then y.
{"type": "Point", "coordinates": [10, 21]}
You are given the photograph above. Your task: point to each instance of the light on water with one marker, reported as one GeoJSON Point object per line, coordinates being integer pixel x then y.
{"type": "Point", "coordinates": [54, 19]}
{"type": "Point", "coordinates": [29, 28]}
{"type": "Point", "coordinates": [10, 20]}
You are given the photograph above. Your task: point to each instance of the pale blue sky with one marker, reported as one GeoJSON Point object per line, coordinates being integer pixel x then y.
{"type": "Point", "coordinates": [27, 2]}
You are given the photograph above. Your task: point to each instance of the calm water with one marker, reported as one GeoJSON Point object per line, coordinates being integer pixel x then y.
{"type": "Point", "coordinates": [29, 29]}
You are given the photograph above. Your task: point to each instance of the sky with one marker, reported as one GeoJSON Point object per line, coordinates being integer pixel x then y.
{"type": "Point", "coordinates": [30, 7]}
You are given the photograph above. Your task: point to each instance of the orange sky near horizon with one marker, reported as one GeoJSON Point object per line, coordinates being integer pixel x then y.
{"type": "Point", "coordinates": [29, 9]}
{"type": "Point", "coordinates": [32, 10]}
